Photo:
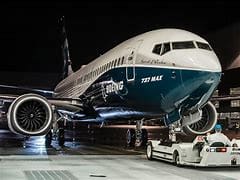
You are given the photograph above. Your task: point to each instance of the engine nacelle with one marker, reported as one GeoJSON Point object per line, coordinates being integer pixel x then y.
{"type": "Point", "coordinates": [206, 123]}
{"type": "Point", "coordinates": [31, 115]}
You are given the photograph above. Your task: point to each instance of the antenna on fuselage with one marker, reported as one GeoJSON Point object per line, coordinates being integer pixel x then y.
{"type": "Point", "coordinates": [67, 63]}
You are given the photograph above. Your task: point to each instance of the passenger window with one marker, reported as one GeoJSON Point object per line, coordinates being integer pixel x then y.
{"type": "Point", "coordinates": [157, 49]}
{"type": "Point", "coordinates": [122, 60]}
{"type": "Point", "coordinates": [119, 59]}
{"type": "Point", "coordinates": [166, 48]}
{"type": "Point", "coordinates": [112, 64]}
{"type": "Point", "coordinates": [115, 62]}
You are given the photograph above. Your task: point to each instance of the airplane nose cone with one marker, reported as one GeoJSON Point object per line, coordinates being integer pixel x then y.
{"type": "Point", "coordinates": [196, 60]}
{"type": "Point", "coordinates": [199, 85]}
{"type": "Point", "coordinates": [207, 61]}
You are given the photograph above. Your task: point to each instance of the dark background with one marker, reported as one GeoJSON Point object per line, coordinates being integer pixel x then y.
{"type": "Point", "coordinates": [30, 43]}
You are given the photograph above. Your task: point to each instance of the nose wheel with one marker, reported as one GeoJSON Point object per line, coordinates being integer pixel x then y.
{"type": "Point", "coordinates": [137, 137]}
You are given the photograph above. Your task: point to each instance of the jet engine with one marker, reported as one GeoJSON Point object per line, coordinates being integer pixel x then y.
{"type": "Point", "coordinates": [30, 115]}
{"type": "Point", "coordinates": [206, 123]}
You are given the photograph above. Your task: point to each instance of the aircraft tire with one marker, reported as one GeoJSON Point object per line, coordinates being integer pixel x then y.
{"type": "Point", "coordinates": [61, 137]}
{"type": "Point", "coordinates": [144, 137]}
{"type": "Point", "coordinates": [48, 139]}
{"type": "Point", "coordinates": [130, 138]}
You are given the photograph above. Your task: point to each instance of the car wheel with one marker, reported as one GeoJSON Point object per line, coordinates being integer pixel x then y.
{"type": "Point", "coordinates": [177, 159]}
{"type": "Point", "coordinates": [149, 151]}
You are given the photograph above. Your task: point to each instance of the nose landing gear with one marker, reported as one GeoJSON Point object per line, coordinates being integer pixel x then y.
{"type": "Point", "coordinates": [136, 137]}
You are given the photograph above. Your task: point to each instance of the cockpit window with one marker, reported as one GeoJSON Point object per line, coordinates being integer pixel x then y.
{"type": "Point", "coordinates": [163, 48]}
{"type": "Point", "coordinates": [157, 49]}
{"type": "Point", "coordinates": [166, 48]}
{"type": "Point", "coordinates": [183, 45]}
{"type": "Point", "coordinates": [202, 45]}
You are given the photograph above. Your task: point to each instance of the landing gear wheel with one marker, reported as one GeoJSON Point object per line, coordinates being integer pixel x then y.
{"type": "Point", "coordinates": [149, 151]}
{"type": "Point", "coordinates": [144, 137]}
{"type": "Point", "coordinates": [130, 138]}
{"type": "Point", "coordinates": [141, 138]}
{"type": "Point", "coordinates": [48, 139]}
{"type": "Point", "coordinates": [61, 137]}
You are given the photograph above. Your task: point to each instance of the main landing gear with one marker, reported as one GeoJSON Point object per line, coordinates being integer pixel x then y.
{"type": "Point", "coordinates": [136, 137]}
{"type": "Point", "coordinates": [57, 131]}
{"type": "Point", "coordinates": [59, 134]}
{"type": "Point", "coordinates": [48, 139]}
{"type": "Point", "coordinates": [61, 137]}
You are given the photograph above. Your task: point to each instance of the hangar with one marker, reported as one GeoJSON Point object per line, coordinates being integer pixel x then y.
{"type": "Point", "coordinates": [31, 56]}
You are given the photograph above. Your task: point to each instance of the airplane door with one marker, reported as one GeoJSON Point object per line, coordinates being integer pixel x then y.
{"type": "Point", "coordinates": [130, 69]}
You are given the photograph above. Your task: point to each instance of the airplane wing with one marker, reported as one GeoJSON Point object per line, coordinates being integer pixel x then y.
{"type": "Point", "coordinates": [26, 90]}
{"type": "Point", "coordinates": [226, 97]}
{"type": "Point", "coordinates": [32, 114]}
{"type": "Point", "coordinates": [60, 102]}
{"type": "Point", "coordinates": [64, 105]}
{"type": "Point", "coordinates": [74, 105]}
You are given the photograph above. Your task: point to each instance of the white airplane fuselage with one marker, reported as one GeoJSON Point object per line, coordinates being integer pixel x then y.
{"type": "Point", "coordinates": [158, 72]}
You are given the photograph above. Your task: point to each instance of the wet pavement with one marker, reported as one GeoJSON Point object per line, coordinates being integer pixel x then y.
{"type": "Point", "coordinates": [31, 160]}
{"type": "Point", "coordinates": [11, 144]}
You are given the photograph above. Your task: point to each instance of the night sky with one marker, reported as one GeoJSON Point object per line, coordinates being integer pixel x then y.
{"type": "Point", "coordinates": [29, 32]}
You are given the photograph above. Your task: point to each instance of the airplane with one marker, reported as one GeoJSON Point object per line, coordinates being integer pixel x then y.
{"type": "Point", "coordinates": [169, 73]}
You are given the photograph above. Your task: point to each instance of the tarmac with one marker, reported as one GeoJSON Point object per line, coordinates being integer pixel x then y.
{"type": "Point", "coordinates": [32, 160]}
